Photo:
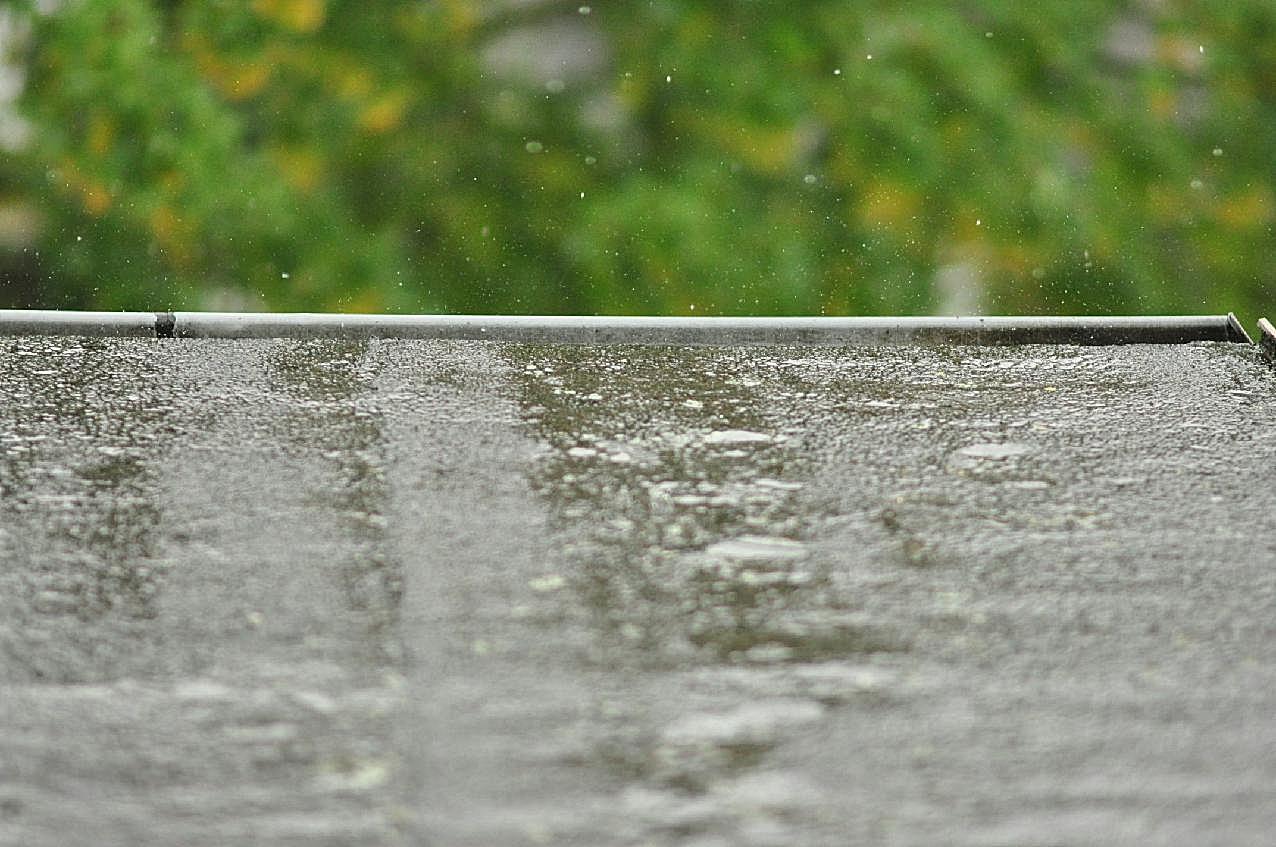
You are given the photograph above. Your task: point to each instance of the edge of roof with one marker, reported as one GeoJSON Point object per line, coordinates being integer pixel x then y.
{"type": "Point", "coordinates": [1097, 330]}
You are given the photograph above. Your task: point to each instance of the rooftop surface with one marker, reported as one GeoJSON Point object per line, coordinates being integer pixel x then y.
{"type": "Point", "coordinates": [365, 592]}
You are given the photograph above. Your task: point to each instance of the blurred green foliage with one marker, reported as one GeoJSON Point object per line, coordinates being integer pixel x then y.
{"type": "Point", "coordinates": [715, 156]}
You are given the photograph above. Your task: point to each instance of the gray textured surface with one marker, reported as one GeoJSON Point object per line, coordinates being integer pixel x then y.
{"type": "Point", "coordinates": [335, 592]}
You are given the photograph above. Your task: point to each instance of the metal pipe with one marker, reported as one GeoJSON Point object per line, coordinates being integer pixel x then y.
{"type": "Point", "coordinates": [33, 322]}
{"type": "Point", "coordinates": [635, 330]}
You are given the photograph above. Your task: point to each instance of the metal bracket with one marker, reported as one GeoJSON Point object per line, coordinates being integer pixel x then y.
{"type": "Point", "coordinates": [1237, 330]}
{"type": "Point", "coordinates": [1267, 338]}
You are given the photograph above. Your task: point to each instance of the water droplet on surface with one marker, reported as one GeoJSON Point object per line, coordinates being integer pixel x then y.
{"type": "Point", "coordinates": [736, 436]}
{"type": "Point", "coordinates": [202, 689]}
{"type": "Point", "coordinates": [751, 725]}
{"type": "Point", "coordinates": [1001, 450]}
{"type": "Point", "coordinates": [778, 485]}
{"type": "Point", "coordinates": [758, 548]}
{"type": "Point", "coordinates": [547, 583]}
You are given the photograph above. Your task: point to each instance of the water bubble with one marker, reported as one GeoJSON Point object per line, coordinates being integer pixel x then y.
{"type": "Point", "coordinates": [534, 147]}
{"type": "Point", "coordinates": [584, 10]}
{"type": "Point", "coordinates": [1218, 151]}
{"type": "Point", "coordinates": [736, 436]}
{"type": "Point", "coordinates": [547, 583]}
{"type": "Point", "coordinates": [1197, 185]}
{"type": "Point", "coordinates": [284, 276]}
{"type": "Point", "coordinates": [999, 450]}
{"type": "Point", "coordinates": [754, 549]}
{"type": "Point", "coordinates": [837, 72]}
{"type": "Point", "coordinates": [809, 179]}
{"type": "Point", "coordinates": [591, 160]}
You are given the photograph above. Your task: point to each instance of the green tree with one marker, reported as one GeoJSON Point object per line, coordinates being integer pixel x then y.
{"type": "Point", "coordinates": [716, 156]}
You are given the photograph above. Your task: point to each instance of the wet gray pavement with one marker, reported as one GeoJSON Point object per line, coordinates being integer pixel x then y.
{"type": "Point", "coordinates": [464, 593]}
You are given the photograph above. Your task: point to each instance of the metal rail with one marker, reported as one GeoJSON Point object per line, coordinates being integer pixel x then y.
{"type": "Point", "coordinates": [634, 330]}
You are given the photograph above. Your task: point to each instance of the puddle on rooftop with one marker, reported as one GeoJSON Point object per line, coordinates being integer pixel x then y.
{"type": "Point", "coordinates": [83, 431]}
{"type": "Point", "coordinates": [684, 509]}
{"type": "Point", "coordinates": [332, 421]}
{"type": "Point", "coordinates": [689, 550]}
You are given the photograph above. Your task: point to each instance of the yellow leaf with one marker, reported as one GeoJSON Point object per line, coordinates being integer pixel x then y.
{"type": "Point", "coordinates": [1251, 209]}
{"type": "Point", "coordinates": [303, 16]}
{"type": "Point", "coordinates": [385, 114]}
{"type": "Point", "coordinates": [301, 167]}
{"type": "Point", "coordinates": [890, 205]}
{"type": "Point", "coordinates": [101, 135]}
{"type": "Point", "coordinates": [97, 198]}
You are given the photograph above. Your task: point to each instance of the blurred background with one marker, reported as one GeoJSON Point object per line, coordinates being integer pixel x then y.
{"type": "Point", "coordinates": [650, 156]}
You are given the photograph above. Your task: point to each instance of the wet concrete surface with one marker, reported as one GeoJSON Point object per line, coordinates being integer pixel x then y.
{"type": "Point", "coordinates": [457, 593]}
